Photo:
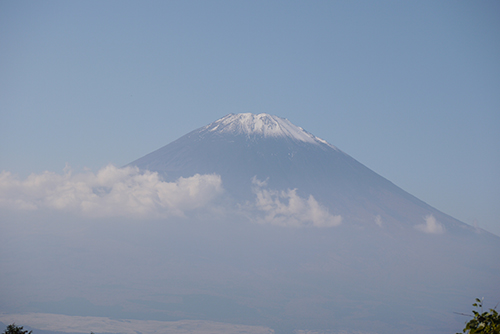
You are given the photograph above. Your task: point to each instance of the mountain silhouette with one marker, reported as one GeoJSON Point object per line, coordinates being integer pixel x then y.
{"type": "Point", "coordinates": [244, 147]}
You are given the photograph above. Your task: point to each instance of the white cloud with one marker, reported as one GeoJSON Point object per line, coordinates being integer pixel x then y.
{"type": "Point", "coordinates": [111, 192]}
{"type": "Point", "coordinates": [378, 221]}
{"type": "Point", "coordinates": [129, 192]}
{"type": "Point", "coordinates": [286, 208]}
{"type": "Point", "coordinates": [77, 324]}
{"type": "Point", "coordinates": [341, 331]}
{"type": "Point", "coordinates": [431, 226]}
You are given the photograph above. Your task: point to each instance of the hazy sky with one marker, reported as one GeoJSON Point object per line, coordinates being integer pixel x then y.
{"type": "Point", "coordinates": [411, 90]}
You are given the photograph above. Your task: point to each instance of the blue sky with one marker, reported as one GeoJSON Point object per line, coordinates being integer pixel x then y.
{"type": "Point", "coordinates": [411, 90]}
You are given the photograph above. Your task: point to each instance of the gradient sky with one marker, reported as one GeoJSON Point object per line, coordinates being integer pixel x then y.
{"type": "Point", "coordinates": [410, 89]}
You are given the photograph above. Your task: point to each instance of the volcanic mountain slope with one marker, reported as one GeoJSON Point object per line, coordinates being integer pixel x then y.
{"type": "Point", "coordinates": [245, 147]}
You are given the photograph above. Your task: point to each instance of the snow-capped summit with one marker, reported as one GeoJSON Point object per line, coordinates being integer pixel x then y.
{"type": "Point", "coordinates": [262, 125]}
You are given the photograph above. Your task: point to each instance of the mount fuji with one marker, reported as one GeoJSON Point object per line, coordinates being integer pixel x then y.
{"type": "Point", "coordinates": [245, 148]}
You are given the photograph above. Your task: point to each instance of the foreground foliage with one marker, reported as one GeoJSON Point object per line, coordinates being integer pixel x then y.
{"type": "Point", "coordinates": [13, 329]}
{"type": "Point", "coordinates": [487, 322]}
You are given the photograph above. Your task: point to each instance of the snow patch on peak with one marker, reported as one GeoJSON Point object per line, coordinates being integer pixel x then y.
{"type": "Point", "coordinates": [263, 124]}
